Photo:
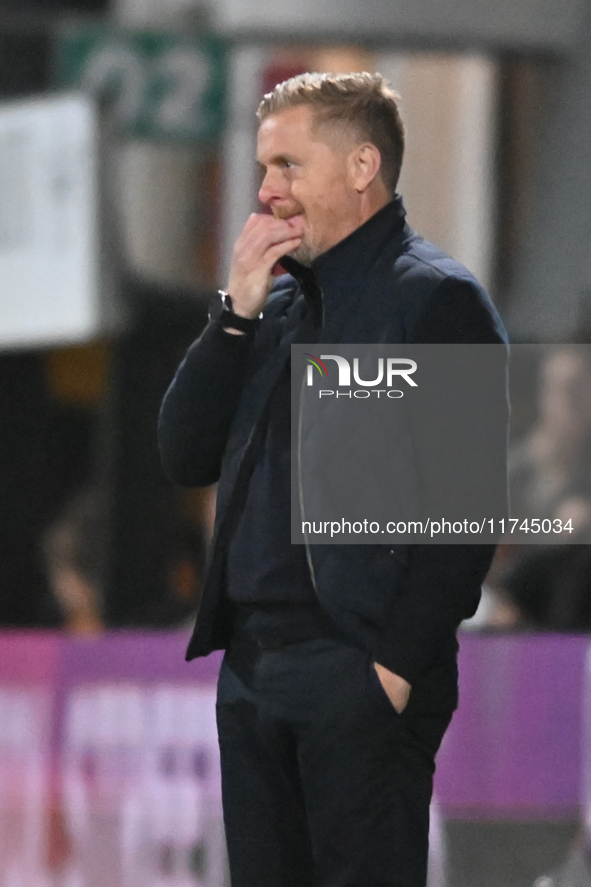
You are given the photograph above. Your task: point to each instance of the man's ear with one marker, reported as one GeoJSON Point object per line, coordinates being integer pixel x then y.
{"type": "Point", "coordinates": [364, 164]}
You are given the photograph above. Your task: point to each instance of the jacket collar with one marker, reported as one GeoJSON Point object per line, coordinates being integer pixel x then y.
{"type": "Point", "coordinates": [343, 269]}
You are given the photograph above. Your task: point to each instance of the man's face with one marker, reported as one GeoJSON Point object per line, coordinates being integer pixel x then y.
{"type": "Point", "coordinates": [309, 177]}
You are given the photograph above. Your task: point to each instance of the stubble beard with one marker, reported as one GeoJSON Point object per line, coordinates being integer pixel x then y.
{"type": "Point", "coordinates": [305, 253]}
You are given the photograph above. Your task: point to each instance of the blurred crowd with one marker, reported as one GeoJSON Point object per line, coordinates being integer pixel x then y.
{"type": "Point", "coordinates": [548, 586]}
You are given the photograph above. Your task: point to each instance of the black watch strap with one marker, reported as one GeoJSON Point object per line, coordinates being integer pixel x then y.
{"type": "Point", "coordinates": [222, 311]}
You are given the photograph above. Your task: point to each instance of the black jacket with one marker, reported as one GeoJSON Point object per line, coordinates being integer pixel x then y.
{"type": "Point", "coordinates": [382, 284]}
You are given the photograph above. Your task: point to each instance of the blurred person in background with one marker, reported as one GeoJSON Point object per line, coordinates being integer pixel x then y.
{"type": "Point", "coordinates": [74, 546]}
{"type": "Point", "coordinates": [549, 470]}
{"type": "Point", "coordinates": [549, 586]}
{"type": "Point", "coordinates": [340, 675]}
{"type": "Point", "coordinates": [76, 549]}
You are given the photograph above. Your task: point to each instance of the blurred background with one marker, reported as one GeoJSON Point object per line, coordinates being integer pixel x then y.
{"type": "Point", "coordinates": [127, 170]}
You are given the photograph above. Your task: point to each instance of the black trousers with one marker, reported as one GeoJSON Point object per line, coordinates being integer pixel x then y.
{"type": "Point", "coordinates": [324, 784]}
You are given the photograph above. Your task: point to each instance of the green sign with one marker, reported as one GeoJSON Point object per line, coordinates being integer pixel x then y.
{"type": "Point", "coordinates": [162, 86]}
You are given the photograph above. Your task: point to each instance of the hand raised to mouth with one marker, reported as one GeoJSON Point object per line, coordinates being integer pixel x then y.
{"type": "Point", "coordinates": [263, 241]}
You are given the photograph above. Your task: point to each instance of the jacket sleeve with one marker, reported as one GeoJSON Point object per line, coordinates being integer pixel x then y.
{"type": "Point", "coordinates": [199, 406]}
{"type": "Point", "coordinates": [441, 584]}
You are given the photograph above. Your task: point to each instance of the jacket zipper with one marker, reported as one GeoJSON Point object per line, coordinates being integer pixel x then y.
{"type": "Point", "coordinates": [301, 491]}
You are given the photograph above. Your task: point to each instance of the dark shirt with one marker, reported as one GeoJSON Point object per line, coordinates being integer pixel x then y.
{"type": "Point", "coordinates": [263, 566]}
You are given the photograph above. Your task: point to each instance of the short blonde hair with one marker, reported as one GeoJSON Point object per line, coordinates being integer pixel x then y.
{"type": "Point", "coordinates": [364, 103]}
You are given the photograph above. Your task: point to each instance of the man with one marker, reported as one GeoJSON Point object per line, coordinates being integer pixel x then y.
{"type": "Point", "coordinates": [339, 678]}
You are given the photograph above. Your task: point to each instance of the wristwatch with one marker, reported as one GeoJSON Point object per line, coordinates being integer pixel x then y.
{"type": "Point", "coordinates": [222, 310]}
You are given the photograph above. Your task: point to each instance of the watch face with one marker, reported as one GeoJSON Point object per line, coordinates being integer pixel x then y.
{"type": "Point", "coordinates": [221, 308]}
{"type": "Point", "coordinates": [218, 304]}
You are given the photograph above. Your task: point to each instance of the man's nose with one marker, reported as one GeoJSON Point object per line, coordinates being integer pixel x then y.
{"type": "Point", "coordinates": [272, 187]}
